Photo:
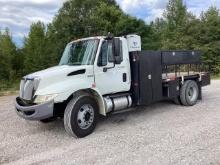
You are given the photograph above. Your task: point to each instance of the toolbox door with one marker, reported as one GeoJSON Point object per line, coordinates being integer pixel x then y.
{"type": "Point", "coordinates": [150, 71]}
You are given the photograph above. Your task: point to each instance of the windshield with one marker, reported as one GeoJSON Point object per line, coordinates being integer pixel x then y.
{"type": "Point", "coordinates": [80, 53]}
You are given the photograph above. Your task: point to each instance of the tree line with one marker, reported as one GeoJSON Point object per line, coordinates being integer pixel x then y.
{"type": "Point", "coordinates": [178, 29]}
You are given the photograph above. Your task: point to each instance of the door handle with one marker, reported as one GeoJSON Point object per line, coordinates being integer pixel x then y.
{"type": "Point", "coordinates": [124, 77]}
{"type": "Point", "coordinates": [149, 77]}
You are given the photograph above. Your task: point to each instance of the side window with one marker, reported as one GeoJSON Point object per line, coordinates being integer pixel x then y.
{"type": "Point", "coordinates": [121, 51]}
{"type": "Point", "coordinates": [110, 53]}
{"type": "Point", "coordinates": [110, 57]}
{"type": "Point", "coordinates": [102, 61]}
{"type": "Point", "coordinates": [106, 54]}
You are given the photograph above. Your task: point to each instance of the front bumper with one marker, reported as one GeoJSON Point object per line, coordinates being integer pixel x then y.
{"type": "Point", "coordinates": [34, 112]}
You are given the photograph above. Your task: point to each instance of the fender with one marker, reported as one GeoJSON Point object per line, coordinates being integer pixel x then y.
{"type": "Point", "coordinates": [98, 97]}
{"type": "Point", "coordinates": [100, 101]}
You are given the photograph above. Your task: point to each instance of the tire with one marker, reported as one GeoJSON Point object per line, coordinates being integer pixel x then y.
{"type": "Point", "coordinates": [177, 101]}
{"type": "Point", "coordinates": [48, 120]}
{"type": "Point", "coordinates": [80, 116]}
{"type": "Point", "coordinates": [189, 93]}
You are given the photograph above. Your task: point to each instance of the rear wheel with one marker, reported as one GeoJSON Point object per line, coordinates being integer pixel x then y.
{"type": "Point", "coordinates": [177, 101]}
{"type": "Point", "coordinates": [80, 116]}
{"type": "Point", "coordinates": [189, 93]}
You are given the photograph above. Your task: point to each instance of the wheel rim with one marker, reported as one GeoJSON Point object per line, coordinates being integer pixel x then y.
{"type": "Point", "coordinates": [192, 93]}
{"type": "Point", "coordinates": [85, 116]}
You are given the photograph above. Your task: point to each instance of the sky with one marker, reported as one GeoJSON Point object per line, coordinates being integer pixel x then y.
{"type": "Point", "coordinates": [18, 15]}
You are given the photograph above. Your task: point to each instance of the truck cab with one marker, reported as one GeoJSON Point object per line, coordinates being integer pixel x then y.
{"type": "Point", "coordinates": [100, 75]}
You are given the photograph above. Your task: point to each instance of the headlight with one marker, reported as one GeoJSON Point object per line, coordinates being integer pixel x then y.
{"type": "Point", "coordinates": [44, 98]}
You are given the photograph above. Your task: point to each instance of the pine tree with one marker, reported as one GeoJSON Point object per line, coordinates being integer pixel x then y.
{"type": "Point", "coordinates": [35, 57]}
{"type": "Point", "coordinates": [176, 18]}
{"type": "Point", "coordinates": [7, 54]}
{"type": "Point", "coordinates": [209, 38]}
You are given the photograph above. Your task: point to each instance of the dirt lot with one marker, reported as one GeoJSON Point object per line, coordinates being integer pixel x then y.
{"type": "Point", "coordinates": [162, 133]}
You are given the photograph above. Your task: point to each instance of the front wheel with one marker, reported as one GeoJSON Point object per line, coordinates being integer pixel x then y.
{"type": "Point", "coordinates": [80, 116]}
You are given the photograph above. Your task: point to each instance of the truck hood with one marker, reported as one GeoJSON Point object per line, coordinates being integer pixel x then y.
{"type": "Point", "coordinates": [58, 75]}
{"type": "Point", "coordinates": [62, 70]}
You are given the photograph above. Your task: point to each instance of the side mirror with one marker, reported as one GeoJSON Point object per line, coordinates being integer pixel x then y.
{"type": "Point", "coordinates": [117, 50]}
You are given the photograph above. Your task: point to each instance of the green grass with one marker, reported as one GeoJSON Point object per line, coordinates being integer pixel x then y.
{"type": "Point", "coordinates": [9, 88]}
{"type": "Point", "coordinates": [215, 77]}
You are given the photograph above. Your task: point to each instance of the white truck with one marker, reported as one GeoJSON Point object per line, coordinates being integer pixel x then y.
{"type": "Point", "coordinates": [106, 75]}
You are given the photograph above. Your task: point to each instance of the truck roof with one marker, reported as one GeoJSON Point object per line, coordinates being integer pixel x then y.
{"type": "Point", "coordinates": [88, 38]}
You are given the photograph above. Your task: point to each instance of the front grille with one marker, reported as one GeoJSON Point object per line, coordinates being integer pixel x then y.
{"type": "Point", "coordinates": [22, 88]}
{"type": "Point", "coordinates": [27, 89]}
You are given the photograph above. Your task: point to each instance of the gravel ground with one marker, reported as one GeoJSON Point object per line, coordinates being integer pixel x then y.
{"type": "Point", "coordinates": [162, 133]}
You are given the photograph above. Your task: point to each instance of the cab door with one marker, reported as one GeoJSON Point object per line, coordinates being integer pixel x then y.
{"type": "Point", "coordinates": [111, 77]}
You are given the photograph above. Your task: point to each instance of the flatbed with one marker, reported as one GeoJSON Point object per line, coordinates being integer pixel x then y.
{"type": "Point", "coordinates": [160, 74]}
